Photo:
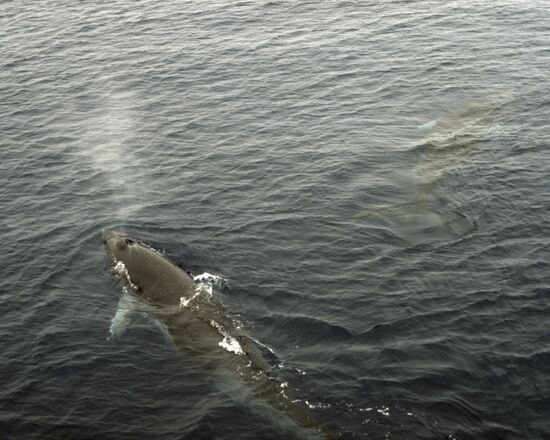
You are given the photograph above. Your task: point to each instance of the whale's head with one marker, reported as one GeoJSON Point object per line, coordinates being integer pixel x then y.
{"type": "Point", "coordinates": [148, 273]}
{"type": "Point", "coordinates": [118, 244]}
{"type": "Point", "coordinates": [130, 258]}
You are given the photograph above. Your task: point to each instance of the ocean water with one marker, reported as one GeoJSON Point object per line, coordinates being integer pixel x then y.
{"type": "Point", "coordinates": [370, 179]}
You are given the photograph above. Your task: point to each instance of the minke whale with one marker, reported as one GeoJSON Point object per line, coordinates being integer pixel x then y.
{"type": "Point", "coordinates": [201, 330]}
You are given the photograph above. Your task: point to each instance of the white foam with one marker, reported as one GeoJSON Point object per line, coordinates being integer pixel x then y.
{"type": "Point", "coordinates": [206, 289]}
{"type": "Point", "coordinates": [184, 302]}
{"type": "Point", "coordinates": [200, 289]}
{"type": "Point", "coordinates": [122, 272]}
{"type": "Point", "coordinates": [228, 342]}
{"type": "Point", "coordinates": [209, 279]}
{"type": "Point", "coordinates": [120, 268]}
{"type": "Point", "coordinates": [317, 405]}
{"type": "Point", "coordinates": [205, 284]}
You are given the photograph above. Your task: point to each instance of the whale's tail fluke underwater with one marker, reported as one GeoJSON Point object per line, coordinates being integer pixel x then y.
{"type": "Point", "coordinates": [200, 329]}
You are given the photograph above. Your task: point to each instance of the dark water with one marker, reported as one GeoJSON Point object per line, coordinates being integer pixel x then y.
{"type": "Point", "coordinates": [371, 179]}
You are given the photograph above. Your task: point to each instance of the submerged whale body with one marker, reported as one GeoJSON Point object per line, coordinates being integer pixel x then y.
{"type": "Point", "coordinates": [199, 328]}
{"type": "Point", "coordinates": [430, 217]}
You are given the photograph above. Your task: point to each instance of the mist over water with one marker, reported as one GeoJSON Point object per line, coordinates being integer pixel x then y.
{"type": "Point", "coordinates": [107, 145]}
{"type": "Point", "coordinates": [370, 179]}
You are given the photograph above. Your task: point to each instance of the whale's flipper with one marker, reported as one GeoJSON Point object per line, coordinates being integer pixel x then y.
{"type": "Point", "coordinates": [130, 309]}
{"type": "Point", "coordinates": [121, 320]}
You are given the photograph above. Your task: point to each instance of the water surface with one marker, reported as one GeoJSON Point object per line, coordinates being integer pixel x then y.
{"type": "Point", "coordinates": [371, 179]}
